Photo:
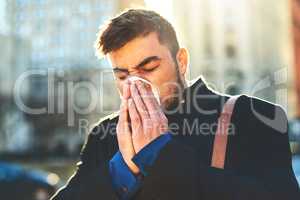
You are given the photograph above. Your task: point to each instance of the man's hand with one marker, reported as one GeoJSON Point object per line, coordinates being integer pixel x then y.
{"type": "Point", "coordinates": [123, 132]}
{"type": "Point", "coordinates": [147, 118]}
{"type": "Point", "coordinates": [147, 121]}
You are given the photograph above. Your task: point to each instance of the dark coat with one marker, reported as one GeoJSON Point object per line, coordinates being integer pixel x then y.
{"type": "Point", "coordinates": [257, 167]}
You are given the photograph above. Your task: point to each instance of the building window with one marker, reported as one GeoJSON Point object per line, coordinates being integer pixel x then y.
{"type": "Point", "coordinates": [230, 51]}
{"type": "Point", "coordinates": [21, 2]}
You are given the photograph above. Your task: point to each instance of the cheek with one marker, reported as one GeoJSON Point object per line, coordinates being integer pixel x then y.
{"type": "Point", "coordinates": [165, 73]}
{"type": "Point", "coordinates": [168, 74]}
{"type": "Point", "coordinates": [166, 81]}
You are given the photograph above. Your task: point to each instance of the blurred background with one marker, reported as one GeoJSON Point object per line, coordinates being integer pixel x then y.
{"type": "Point", "coordinates": [53, 88]}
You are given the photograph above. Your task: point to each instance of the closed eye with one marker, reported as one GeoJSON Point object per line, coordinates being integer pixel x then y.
{"type": "Point", "coordinates": [150, 69]}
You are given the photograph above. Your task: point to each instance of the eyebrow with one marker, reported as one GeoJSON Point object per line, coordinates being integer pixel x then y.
{"type": "Point", "coordinates": [148, 60]}
{"type": "Point", "coordinates": [141, 64]}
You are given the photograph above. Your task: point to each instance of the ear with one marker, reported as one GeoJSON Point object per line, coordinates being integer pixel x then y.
{"type": "Point", "coordinates": [182, 58]}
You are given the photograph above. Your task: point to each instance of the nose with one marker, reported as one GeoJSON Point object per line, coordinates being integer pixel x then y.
{"type": "Point", "coordinates": [133, 77]}
{"type": "Point", "coordinates": [136, 73]}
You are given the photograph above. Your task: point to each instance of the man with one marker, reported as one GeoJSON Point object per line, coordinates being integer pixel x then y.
{"type": "Point", "coordinates": [163, 151]}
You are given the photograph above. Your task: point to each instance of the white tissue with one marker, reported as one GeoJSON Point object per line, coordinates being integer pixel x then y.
{"type": "Point", "coordinates": [154, 89]}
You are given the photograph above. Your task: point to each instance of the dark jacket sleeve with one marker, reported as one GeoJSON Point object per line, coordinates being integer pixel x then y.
{"type": "Point", "coordinates": [92, 180]}
{"type": "Point", "coordinates": [263, 171]}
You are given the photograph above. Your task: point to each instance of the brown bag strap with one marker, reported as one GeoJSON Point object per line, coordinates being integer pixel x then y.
{"type": "Point", "coordinates": [221, 136]}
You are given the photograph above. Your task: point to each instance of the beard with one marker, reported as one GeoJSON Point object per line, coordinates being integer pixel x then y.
{"type": "Point", "coordinates": [172, 102]}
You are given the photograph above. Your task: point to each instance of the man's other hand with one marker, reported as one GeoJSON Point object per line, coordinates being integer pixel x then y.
{"type": "Point", "coordinates": [123, 132]}
{"type": "Point", "coordinates": [147, 118]}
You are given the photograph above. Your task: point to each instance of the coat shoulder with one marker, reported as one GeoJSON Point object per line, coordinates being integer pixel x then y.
{"type": "Point", "coordinates": [258, 113]}
{"type": "Point", "coordinates": [262, 135]}
{"type": "Point", "coordinates": [260, 121]}
{"type": "Point", "coordinates": [259, 105]}
{"type": "Point", "coordinates": [104, 122]}
{"type": "Point", "coordinates": [98, 139]}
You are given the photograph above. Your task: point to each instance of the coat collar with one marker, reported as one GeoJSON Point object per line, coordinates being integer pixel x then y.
{"type": "Point", "coordinates": [197, 86]}
{"type": "Point", "coordinates": [198, 97]}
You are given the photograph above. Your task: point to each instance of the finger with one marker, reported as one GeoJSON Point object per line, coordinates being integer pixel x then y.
{"type": "Point", "coordinates": [148, 97]}
{"type": "Point", "coordinates": [124, 137]}
{"type": "Point", "coordinates": [126, 89]}
{"type": "Point", "coordinates": [134, 118]}
{"type": "Point", "coordinates": [123, 118]}
{"type": "Point", "coordinates": [141, 108]}
{"type": "Point", "coordinates": [123, 130]}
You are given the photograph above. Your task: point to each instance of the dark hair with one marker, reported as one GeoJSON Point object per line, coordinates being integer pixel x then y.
{"type": "Point", "coordinates": [134, 23]}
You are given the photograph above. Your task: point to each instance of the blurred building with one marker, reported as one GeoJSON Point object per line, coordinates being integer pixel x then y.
{"type": "Point", "coordinates": [239, 46]}
{"type": "Point", "coordinates": [125, 4]}
{"type": "Point", "coordinates": [54, 40]}
{"type": "Point", "coordinates": [15, 60]}
{"type": "Point", "coordinates": [62, 32]}
{"type": "Point", "coordinates": [295, 123]}
{"type": "Point", "coordinates": [296, 34]}
{"type": "Point", "coordinates": [3, 23]}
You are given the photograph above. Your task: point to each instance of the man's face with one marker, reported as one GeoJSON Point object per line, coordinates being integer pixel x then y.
{"type": "Point", "coordinates": [146, 58]}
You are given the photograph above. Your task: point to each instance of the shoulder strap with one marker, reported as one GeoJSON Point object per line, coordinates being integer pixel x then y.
{"type": "Point", "coordinates": [221, 135]}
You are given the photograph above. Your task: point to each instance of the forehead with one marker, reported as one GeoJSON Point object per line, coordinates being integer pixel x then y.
{"type": "Point", "coordinates": [137, 49]}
